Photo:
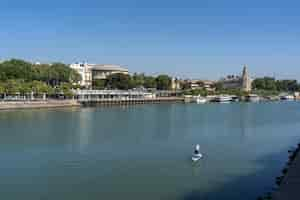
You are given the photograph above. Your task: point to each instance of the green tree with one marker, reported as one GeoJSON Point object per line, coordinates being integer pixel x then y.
{"type": "Point", "coordinates": [39, 87]}
{"type": "Point", "coordinates": [287, 85]}
{"type": "Point", "coordinates": [25, 88]}
{"type": "Point", "coordinates": [138, 80]}
{"type": "Point", "coordinates": [12, 87]}
{"type": "Point", "coordinates": [98, 84]}
{"type": "Point", "coordinates": [2, 88]}
{"type": "Point", "coordinates": [65, 89]}
{"type": "Point", "coordinates": [163, 82]}
{"type": "Point", "coordinates": [150, 82]}
{"type": "Point", "coordinates": [266, 83]}
{"type": "Point", "coordinates": [16, 69]}
{"type": "Point", "coordinates": [219, 86]}
{"type": "Point", "coordinates": [119, 81]}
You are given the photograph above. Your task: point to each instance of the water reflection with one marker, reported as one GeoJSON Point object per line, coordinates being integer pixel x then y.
{"type": "Point", "coordinates": [127, 152]}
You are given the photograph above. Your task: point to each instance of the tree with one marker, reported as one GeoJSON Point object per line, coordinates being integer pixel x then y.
{"type": "Point", "coordinates": [39, 87]}
{"type": "Point", "coordinates": [25, 88]}
{"type": "Point", "coordinates": [12, 87]}
{"type": "Point", "coordinates": [163, 82]}
{"type": "Point", "coordinates": [287, 85]}
{"type": "Point", "coordinates": [2, 88]}
{"type": "Point", "coordinates": [74, 76]}
{"type": "Point", "coordinates": [150, 82]}
{"type": "Point", "coordinates": [98, 84]}
{"type": "Point", "coordinates": [138, 80]}
{"type": "Point", "coordinates": [219, 86]}
{"type": "Point", "coordinates": [65, 88]}
{"type": "Point", "coordinates": [266, 83]}
{"type": "Point", "coordinates": [119, 81]}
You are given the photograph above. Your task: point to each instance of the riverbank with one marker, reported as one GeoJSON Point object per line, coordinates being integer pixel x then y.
{"type": "Point", "coordinates": [290, 182]}
{"type": "Point", "coordinates": [8, 105]}
{"type": "Point", "coordinates": [11, 105]}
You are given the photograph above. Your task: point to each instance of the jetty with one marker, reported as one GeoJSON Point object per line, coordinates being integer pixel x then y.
{"type": "Point", "coordinates": [290, 186]}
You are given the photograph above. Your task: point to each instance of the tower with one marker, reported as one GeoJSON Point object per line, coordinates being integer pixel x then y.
{"type": "Point", "coordinates": [246, 81]}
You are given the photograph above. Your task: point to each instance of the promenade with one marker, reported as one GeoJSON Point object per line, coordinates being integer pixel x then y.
{"type": "Point", "coordinates": [290, 187]}
{"type": "Point", "coordinates": [8, 105]}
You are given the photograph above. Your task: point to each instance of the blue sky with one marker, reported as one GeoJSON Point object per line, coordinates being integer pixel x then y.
{"type": "Point", "coordinates": [199, 39]}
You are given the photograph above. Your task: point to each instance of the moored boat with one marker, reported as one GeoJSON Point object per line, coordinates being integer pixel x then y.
{"type": "Point", "coordinates": [223, 99]}
{"type": "Point", "coordinates": [252, 98]}
{"type": "Point", "coordinates": [287, 97]}
{"type": "Point", "coordinates": [201, 100]}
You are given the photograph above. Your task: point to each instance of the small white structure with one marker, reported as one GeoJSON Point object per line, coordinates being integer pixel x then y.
{"type": "Point", "coordinates": [90, 72]}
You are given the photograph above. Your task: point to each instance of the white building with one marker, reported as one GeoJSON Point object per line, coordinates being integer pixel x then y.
{"type": "Point", "coordinates": [90, 72]}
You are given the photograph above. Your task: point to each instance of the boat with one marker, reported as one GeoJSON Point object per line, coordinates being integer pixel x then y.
{"type": "Point", "coordinates": [252, 98]}
{"type": "Point", "coordinates": [197, 155]}
{"type": "Point", "coordinates": [223, 99]}
{"type": "Point", "coordinates": [198, 99]}
{"type": "Point", "coordinates": [201, 100]}
{"type": "Point", "coordinates": [287, 97]}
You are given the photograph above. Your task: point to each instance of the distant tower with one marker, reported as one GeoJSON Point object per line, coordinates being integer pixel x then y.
{"type": "Point", "coordinates": [246, 80]}
{"type": "Point", "coordinates": [175, 84]}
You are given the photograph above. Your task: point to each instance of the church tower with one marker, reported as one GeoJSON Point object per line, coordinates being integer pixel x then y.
{"type": "Point", "coordinates": [246, 80]}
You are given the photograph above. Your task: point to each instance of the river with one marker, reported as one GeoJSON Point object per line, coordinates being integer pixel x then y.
{"type": "Point", "coordinates": [144, 151]}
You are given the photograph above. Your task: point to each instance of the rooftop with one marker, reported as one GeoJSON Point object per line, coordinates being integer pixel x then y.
{"type": "Point", "coordinates": [107, 67]}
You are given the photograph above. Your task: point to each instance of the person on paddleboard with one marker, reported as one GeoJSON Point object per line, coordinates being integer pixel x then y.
{"type": "Point", "coordinates": [197, 150]}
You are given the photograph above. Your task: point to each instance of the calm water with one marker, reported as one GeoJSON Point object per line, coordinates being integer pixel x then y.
{"type": "Point", "coordinates": [144, 151]}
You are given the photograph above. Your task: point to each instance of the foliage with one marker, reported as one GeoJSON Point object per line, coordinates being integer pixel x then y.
{"type": "Point", "coordinates": [219, 86]}
{"type": "Point", "coordinates": [21, 77]}
{"type": "Point", "coordinates": [150, 82]}
{"type": "Point", "coordinates": [266, 93]}
{"type": "Point", "coordinates": [98, 84]}
{"type": "Point", "coordinates": [51, 74]}
{"type": "Point", "coordinates": [124, 82]}
{"type": "Point", "coordinates": [12, 87]}
{"type": "Point", "coordinates": [138, 80]}
{"type": "Point", "coordinates": [119, 81]}
{"type": "Point", "coordinates": [163, 82]}
{"type": "Point", "coordinates": [65, 89]}
{"type": "Point", "coordinates": [271, 84]}
{"type": "Point", "coordinates": [2, 88]}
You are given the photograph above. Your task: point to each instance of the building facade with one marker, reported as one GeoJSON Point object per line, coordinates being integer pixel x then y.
{"type": "Point", "coordinates": [175, 84]}
{"type": "Point", "coordinates": [207, 85]}
{"type": "Point", "coordinates": [90, 72]}
{"type": "Point", "coordinates": [242, 82]}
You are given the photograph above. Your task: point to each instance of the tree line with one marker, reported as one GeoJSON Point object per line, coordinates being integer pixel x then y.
{"type": "Point", "coordinates": [271, 84]}
{"type": "Point", "coordinates": [18, 76]}
{"type": "Point", "coordinates": [126, 81]}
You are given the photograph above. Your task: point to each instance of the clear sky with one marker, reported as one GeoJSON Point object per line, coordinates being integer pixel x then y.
{"type": "Point", "coordinates": [188, 38]}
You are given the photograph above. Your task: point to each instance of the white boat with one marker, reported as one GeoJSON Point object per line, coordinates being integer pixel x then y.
{"type": "Point", "coordinates": [223, 99]}
{"type": "Point", "coordinates": [201, 100]}
{"type": "Point", "coordinates": [252, 98]}
{"type": "Point", "coordinates": [197, 157]}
